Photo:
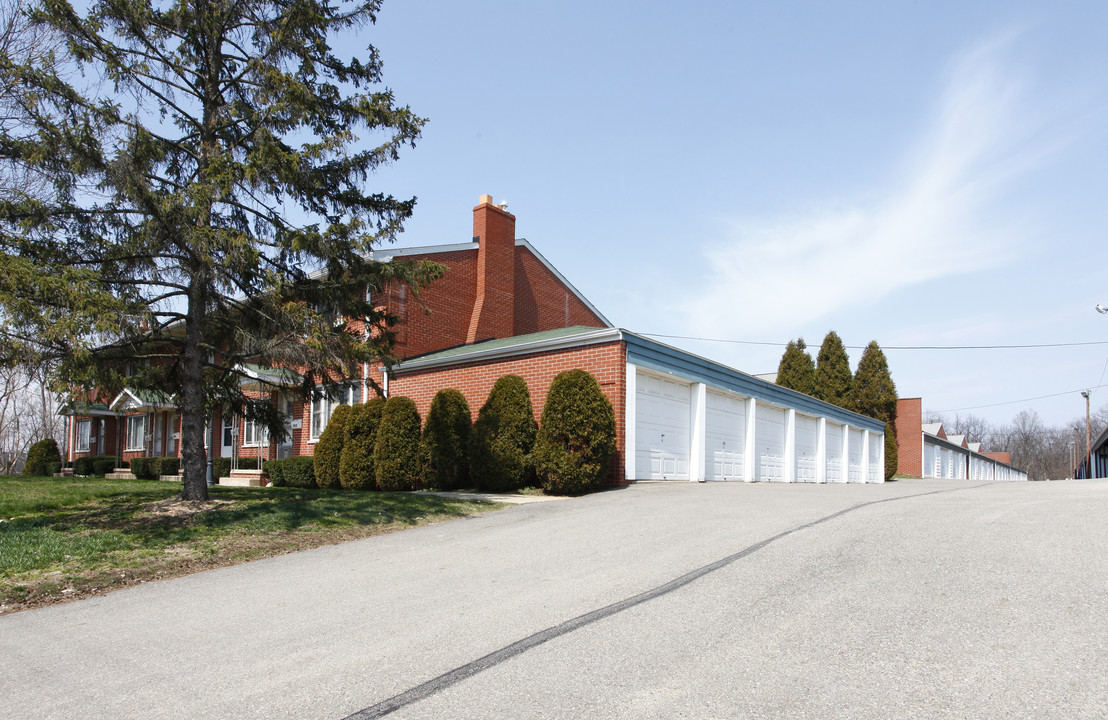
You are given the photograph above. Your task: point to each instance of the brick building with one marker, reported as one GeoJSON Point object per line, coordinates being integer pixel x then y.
{"type": "Point", "coordinates": [925, 450]}
{"type": "Point", "coordinates": [502, 308]}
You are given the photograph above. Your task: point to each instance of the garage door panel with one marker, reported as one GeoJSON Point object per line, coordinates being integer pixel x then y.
{"type": "Point", "coordinates": [724, 436]}
{"type": "Point", "coordinates": [834, 452]}
{"type": "Point", "coordinates": [854, 461]}
{"type": "Point", "coordinates": [662, 419]}
{"type": "Point", "coordinates": [769, 442]}
{"type": "Point", "coordinates": [807, 444]}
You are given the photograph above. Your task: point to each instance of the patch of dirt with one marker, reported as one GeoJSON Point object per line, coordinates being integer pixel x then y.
{"type": "Point", "coordinates": [175, 508]}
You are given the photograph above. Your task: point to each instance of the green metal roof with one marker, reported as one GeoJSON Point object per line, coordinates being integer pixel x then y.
{"type": "Point", "coordinates": [501, 345]}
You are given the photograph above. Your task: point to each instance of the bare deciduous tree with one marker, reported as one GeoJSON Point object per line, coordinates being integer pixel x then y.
{"type": "Point", "coordinates": [28, 413]}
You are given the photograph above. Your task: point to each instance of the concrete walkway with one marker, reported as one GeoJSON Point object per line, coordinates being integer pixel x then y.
{"type": "Point", "coordinates": [918, 599]}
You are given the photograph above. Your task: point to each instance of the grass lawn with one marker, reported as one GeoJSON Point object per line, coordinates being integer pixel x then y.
{"type": "Point", "coordinates": [65, 538]}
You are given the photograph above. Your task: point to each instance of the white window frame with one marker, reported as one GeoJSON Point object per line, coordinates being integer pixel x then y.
{"type": "Point", "coordinates": [132, 444]}
{"type": "Point", "coordinates": [84, 435]}
{"type": "Point", "coordinates": [323, 407]}
{"type": "Point", "coordinates": [254, 434]}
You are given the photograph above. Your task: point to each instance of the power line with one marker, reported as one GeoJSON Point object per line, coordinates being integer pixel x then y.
{"type": "Point", "coordinates": [892, 347]}
{"type": "Point", "coordinates": [1013, 402]}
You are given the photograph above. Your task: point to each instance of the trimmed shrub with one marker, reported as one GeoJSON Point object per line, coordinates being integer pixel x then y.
{"type": "Point", "coordinates": [502, 438]}
{"type": "Point", "coordinates": [101, 466]}
{"type": "Point", "coordinates": [140, 467]}
{"type": "Point", "coordinates": [88, 465]}
{"type": "Point", "coordinates": [276, 471]}
{"type": "Point", "coordinates": [577, 436]}
{"type": "Point", "coordinates": [292, 472]}
{"type": "Point", "coordinates": [356, 470]}
{"type": "Point", "coordinates": [396, 457]}
{"type": "Point", "coordinates": [167, 466]}
{"type": "Point", "coordinates": [53, 468]}
{"type": "Point", "coordinates": [328, 451]}
{"type": "Point", "coordinates": [42, 452]}
{"type": "Point", "coordinates": [221, 467]}
{"type": "Point", "coordinates": [445, 444]}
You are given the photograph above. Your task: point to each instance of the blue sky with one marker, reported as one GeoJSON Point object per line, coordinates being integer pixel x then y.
{"type": "Point", "coordinates": [907, 172]}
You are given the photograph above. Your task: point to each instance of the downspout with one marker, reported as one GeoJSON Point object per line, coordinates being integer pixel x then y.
{"type": "Point", "coordinates": [385, 374]}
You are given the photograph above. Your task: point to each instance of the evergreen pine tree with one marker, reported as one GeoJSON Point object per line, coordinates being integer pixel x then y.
{"type": "Point", "coordinates": [891, 456]}
{"type": "Point", "coordinates": [328, 451]}
{"type": "Point", "coordinates": [873, 393]}
{"type": "Point", "coordinates": [833, 378]}
{"type": "Point", "coordinates": [796, 370]}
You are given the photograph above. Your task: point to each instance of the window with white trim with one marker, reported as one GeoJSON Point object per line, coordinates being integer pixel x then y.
{"type": "Point", "coordinates": [84, 435]}
{"type": "Point", "coordinates": [324, 406]}
{"type": "Point", "coordinates": [254, 433]}
{"type": "Point", "coordinates": [136, 432]}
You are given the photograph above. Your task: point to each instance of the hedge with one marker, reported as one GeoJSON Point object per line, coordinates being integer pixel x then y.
{"type": "Point", "coordinates": [53, 468]}
{"type": "Point", "coordinates": [396, 457]}
{"type": "Point", "coordinates": [445, 443]}
{"type": "Point", "coordinates": [221, 467]}
{"type": "Point", "coordinates": [292, 472]}
{"type": "Point", "coordinates": [38, 455]}
{"type": "Point", "coordinates": [577, 436]}
{"type": "Point", "coordinates": [88, 465]}
{"type": "Point", "coordinates": [502, 438]}
{"type": "Point", "coordinates": [328, 451]}
{"type": "Point", "coordinates": [356, 467]}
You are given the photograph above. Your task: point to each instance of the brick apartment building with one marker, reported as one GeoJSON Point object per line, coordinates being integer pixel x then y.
{"type": "Point", "coordinates": [925, 450]}
{"type": "Point", "coordinates": [502, 308]}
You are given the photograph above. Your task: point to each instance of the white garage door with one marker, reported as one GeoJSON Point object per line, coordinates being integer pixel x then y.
{"type": "Point", "coordinates": [769, 441]}
{"type": "Point", "coordinates": [854, 462]}
{"type": "Point", "coordinates": [807, 443]}
{"type": "Point", "coordinates": [834, 452]}
{"type": "Point", "coordinates": [724, 436]}
{"type": "Point", "coordinates": [876, 467]}
{"type": "Point", "coordinates": [662, 414]}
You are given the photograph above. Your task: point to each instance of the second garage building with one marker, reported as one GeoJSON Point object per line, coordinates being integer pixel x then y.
{"type": "Point", "coordinates": [679, 416]}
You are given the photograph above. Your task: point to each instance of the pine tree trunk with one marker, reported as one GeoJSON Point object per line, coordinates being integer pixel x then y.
{"type": "Point", "coordinates": [193, 457]}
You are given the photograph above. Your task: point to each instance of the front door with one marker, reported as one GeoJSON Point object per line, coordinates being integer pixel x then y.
{"type": "Point", "coordinates": [227, 441]}
{"type": "Point", "coordinates": [284, 450]}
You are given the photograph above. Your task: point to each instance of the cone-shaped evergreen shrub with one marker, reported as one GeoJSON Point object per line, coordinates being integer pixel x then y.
{"type": "Point", "coordinates": [42, 452]}
{"type": "Point", "coordinates": [890, 451]}
{"type": "Point", "coordinates": [796, 370]}
{"type": "Point", "coordinates": [577, 436]}
{"type": "Point", "coordinates": [328, 451]}
{"type": "Point", "coordinates": [872, 392]}
{"type": "Point", "coordinates": [502, 439]}
{"type": "Point", "coordinates": [396, 457]}
{"type": "Point", "coordinates": [833, 378]}
{"type": "Point", "coordinates": [356, 466]}
{"type": "Point", "coordinates": [446, 441]}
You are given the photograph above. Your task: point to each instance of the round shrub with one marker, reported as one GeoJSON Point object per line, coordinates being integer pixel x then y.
{"type": "Point", "coordinates": [445, 445]}
{"type": "Point", "coordinates": [328, 451]}
{"type": "Point", "coordinates": [356, 464]}
{"type": "Point", "coordinates": [502, 438]}
{"type": "Point", "coordinates": [577, 436]}
{"type": "Point", "coordinates": [396, 457]}
{"type": "Point", "coordinates": [298, 472]}
{"type": "Point", "coordinates": [42, 452]}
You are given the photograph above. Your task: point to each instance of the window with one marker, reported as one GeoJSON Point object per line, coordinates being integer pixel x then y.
{"type": "Point", "coordinates": [84, 435]}
{"type": "Point", "coordinates": [228, 429]}
{"type": "Point", "coordinates": [136, 432]}
{"type": "Point", "coordinates": [324, 405]}
{"type": "Point", "coordinates": [254, 433]}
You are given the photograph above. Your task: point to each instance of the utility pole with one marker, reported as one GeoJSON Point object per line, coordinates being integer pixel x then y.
{"type": "Point", "coordinates": [1088, 440]}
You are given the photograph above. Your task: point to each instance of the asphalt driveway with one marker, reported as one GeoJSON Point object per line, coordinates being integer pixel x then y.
{"type": "Point", "coordinates": [929, 599]}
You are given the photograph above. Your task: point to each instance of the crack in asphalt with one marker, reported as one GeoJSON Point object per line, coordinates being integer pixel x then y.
{"type": "Point", "coordinates": [457, 675]}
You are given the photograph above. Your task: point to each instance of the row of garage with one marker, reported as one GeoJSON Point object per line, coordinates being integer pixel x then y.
{"type": "Point", "coordinates": [691, 419]}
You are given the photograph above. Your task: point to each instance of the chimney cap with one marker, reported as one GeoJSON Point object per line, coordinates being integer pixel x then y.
{"type": "Point", "coordinates": [485, 200]}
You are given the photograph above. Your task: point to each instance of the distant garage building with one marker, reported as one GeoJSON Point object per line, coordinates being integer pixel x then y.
{"type": "Point", "coordinates": [925, 450]}
{"type": "Point", "coordinates": [679, 416]}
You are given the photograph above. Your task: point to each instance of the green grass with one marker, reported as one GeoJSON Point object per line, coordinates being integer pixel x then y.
{"type": "Point", "coordinates": [70, 537]}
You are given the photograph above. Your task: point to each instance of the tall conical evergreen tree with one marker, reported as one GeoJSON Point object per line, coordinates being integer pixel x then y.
{"type": "Point", "coordinates": [873, 393]}
{"type": "Point", "coordinates": [796, 370]}
{"type": "Point", "coordinates": [833, 378]}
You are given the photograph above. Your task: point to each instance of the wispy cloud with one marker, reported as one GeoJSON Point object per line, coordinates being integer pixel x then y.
{"type": "Point", "coordinates": [931, 223]}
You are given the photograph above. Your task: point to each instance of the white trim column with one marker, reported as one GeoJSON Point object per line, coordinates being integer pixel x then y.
{"type": "Point", "coordinates": [698, 403]}
{"type": "Point", "coordinates": [789, 475]}
{"type": "Point", "coordinates": [821, 451]}
{"type": "Point", "coordinates": [846, 453]}
{"type": "Point", "coordinates": [750, 451]}
{"type": "Point", "coordinates": [865, 456]}
{"type": "Point", "coordinates": [630, 391]}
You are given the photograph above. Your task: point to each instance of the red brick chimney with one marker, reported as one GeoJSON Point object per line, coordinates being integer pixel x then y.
{"type": "Point", "coordinates": [494, 229]}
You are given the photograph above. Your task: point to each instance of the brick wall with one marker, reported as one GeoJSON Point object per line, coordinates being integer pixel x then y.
{"type": "Point", "coordinates": [606, 362]}
{"type": "Point", "coordinates": [542, 301]}
{"type": "Point", "coordinates": [909, 437]}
